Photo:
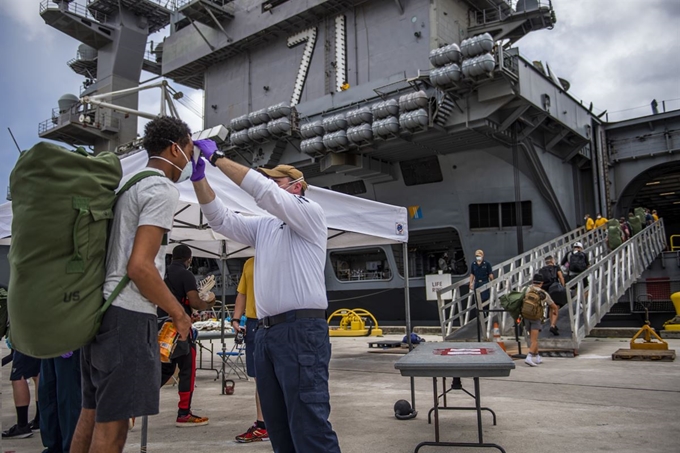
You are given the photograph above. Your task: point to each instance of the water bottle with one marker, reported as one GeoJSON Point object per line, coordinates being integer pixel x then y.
{"type": "Point", "coordinates": [242, 325]}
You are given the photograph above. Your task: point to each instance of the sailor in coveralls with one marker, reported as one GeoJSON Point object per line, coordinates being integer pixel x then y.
{"type": "Point", "coordinates": [292, 347]}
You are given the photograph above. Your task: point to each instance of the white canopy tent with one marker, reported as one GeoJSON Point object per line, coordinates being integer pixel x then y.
{"type": "Point", "coordinates": [352, 221]}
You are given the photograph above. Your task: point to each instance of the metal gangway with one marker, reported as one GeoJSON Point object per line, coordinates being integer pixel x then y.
{"type": "Point", "coordinates": [610, 274]}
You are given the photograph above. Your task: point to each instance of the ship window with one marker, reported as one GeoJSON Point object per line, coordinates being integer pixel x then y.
{"type": "Point", "coordinates": [484, 215]}
{"type": "Point", "coordinates": [350, 188]}
{"type": "Point", "coordinates": [509, 214]}
{"type": "Point", "coordinates": [426, 247]}
{"type": "Point", "coordinates": [497, 215]}
{"type": "Point", "coordinates": [369, 264]}
{"type": "Point", "coordinates": [424, 170]}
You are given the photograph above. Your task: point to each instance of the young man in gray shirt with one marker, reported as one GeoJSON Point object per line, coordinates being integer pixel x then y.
{"type": "Point", "coordinates": [121, 368]}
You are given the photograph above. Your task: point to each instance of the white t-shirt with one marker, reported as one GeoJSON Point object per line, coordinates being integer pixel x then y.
{"type": "Point", "coordinates": [152, 201]}
{"type": "Point", "coordinates": [290, 246]}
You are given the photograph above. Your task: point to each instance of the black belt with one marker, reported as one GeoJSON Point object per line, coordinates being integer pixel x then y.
{"type": "Point", "coordinates": [290, 316]}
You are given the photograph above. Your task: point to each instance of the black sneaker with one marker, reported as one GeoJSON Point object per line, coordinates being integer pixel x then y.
{"type": "Point", "coordinates": [18, 432]}
{"type": "Point", "coordinates": [554, 330]}
{"type": "Point", "coordinates": [34, 424]}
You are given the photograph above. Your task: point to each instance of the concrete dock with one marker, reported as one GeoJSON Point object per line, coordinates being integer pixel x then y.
{"type": "Point", "coordinates": [587, 403]}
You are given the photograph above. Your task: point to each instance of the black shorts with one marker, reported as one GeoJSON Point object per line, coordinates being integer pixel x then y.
{"type": "Point", "coordinates": [121, 368]}
{"type": "Point", "coordinates": [24, 367]}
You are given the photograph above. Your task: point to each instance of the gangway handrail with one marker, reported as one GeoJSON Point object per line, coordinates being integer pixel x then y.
{"type": "Point", "coordinates": [610, 279]}
{"type": "Point", "coordinates": [611, 274]}
{"type": "Point", "coordinates": [453, 310]}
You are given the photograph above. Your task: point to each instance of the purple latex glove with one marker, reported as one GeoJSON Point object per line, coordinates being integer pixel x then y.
{"type": "Point", "coordinates": [67, 355]}
{"type": "Point", "coordinates": [199, 169]}
{"type": "Point", "coordinates": [207, 147]}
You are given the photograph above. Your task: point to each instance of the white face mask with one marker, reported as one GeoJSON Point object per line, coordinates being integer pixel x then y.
{"type": "Point", "coordinates": [185, 173]}
{"type": "Point", "coordinates": [290, 184]}
{"type": "Point", "coordinates": [478, 258]}
{"type": "Point", "coordinates": [599, 217]}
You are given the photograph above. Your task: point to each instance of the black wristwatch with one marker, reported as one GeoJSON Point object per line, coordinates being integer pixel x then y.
{"type": "Point", "coordinates": [216, 155]}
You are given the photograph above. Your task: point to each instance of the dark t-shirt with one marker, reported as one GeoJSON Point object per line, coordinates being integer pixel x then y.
{"type": "Point", "coordinates": [180, 281]}
{"type": "Point", "coordinates": [481, 271]}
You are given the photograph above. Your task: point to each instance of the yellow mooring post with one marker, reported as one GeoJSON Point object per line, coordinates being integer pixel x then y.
{"type": "Point", "coordinates": [353, 324]}
{"type": "Point", "coordinates": [653, 347]}
{"type": "Point", "coordinates": [674, 324]}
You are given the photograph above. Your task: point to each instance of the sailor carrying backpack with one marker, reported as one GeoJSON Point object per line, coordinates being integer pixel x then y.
{"type": "Point", "coordinates": [62, 202]}
{"type": "Point", "coordinates": [532, 306]}
{"type": "Point", "coordinates": [577, 262]}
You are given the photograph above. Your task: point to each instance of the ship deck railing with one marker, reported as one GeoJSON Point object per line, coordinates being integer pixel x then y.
{"type": "Point", "coordinates": [75, 8]}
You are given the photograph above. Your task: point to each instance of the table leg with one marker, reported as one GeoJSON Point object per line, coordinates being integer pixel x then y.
{"type": "Point", "coordinates": [436, 410]}
{"type": "Point", "coordinates": [456, 385]}
{"type": "Point", "coordinates": [479, 410]}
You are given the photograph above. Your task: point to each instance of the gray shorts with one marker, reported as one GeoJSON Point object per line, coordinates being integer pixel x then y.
{"type": "Point", "coordinates": [533, 325]}
{"type": "Point", "coordinates": [121, 368]}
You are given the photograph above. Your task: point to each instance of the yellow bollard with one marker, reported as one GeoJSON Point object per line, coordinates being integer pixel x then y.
{"type": "Point", "coordinates": [674, 324]}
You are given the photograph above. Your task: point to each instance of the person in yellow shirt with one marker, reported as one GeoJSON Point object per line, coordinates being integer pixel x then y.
{"type": "Point", "coordinates": [590, 223]}
{"type": "Point", "coordinates": [245, 303]}
{"type": "Point", "coordinates": [600, 221]}
{"type": "Point", "coordinates": [655, 216]}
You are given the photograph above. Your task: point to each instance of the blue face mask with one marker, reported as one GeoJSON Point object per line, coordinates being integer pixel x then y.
{"type": "Point", "coordinates": [185, 173]}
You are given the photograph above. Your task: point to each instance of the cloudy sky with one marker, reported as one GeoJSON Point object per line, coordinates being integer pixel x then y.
{"type": "Point", "coordinates": [618, 54]}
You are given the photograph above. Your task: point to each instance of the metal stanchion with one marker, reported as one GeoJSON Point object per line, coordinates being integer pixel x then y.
{"type": "Point", "coordinates": [145, 432]}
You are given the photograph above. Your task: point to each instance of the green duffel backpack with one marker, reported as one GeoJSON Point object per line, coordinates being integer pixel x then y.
{"type": "Point", "coordinates": [62, 202]}
{"type": "Point", "coordinates": [635, 225]}
{"type": "Point", "coordinates": [512, 302]}
{"type": "Point", "coordinates": [640, 214]}
{"type": "Point", "coordinates": [3, 311]}
{"type": "Point", "coordinates": [614, 234]}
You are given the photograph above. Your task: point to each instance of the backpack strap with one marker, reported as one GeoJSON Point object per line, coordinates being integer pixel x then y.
{"type": "Point", "coordinates": [134, 180]}
{"type": "Point", "coordinates": [126, 279]}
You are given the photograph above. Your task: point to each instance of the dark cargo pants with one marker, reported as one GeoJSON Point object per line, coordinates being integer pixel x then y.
{"type": "Point", "coordinates": [59, 396]}
{"type": "Point", "coordinates": [291, 362]}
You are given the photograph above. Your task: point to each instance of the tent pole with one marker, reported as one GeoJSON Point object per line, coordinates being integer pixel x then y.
{"type": "Point", "coordinates": [407, 303]}
{"type": "Point", "coordinates": [223, 258]}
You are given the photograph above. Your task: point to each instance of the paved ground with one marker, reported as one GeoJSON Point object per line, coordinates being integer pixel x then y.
{"type": "Point", "coordinates": [584, 404]}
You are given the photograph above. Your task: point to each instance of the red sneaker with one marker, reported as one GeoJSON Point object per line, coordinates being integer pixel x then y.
{"type": "Point", "coordinates": [191, 420]}
{"type": "Point", "coordinates": [254, 434]}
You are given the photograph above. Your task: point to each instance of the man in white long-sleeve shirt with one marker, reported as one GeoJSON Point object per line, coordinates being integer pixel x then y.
{"type": "Point", "coordinates": [292, 348]}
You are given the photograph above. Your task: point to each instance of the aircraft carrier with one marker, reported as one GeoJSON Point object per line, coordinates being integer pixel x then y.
{"type": "Point", "coordinates": [426, 104]}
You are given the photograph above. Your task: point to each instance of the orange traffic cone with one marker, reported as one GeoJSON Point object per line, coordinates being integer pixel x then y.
{"type": "Point", "coordinates": [497, 336]}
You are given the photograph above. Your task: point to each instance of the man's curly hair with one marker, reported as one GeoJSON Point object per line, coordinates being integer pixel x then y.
{"type": "Point", "coordinates": [161, 131]}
